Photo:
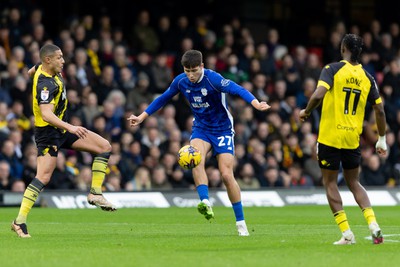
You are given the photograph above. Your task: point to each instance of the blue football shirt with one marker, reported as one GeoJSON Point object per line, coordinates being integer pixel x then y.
{"type": "Point", "coordinates": [207, 99]}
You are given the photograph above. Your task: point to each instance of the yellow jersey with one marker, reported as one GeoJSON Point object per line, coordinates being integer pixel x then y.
{"type": "Point", "coordinates": [48, 89]}
{"type": "Point", "coordinates": [349, 87]}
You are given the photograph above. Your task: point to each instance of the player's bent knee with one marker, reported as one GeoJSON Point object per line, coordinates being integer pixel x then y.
{"type": "Point", "coordinates": [105, 147]}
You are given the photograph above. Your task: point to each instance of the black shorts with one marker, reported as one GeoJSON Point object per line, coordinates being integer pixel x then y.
{"type": "Point", "coordinates": [49, 140]}
{"type": "Point", "coordinates": [331, 157]}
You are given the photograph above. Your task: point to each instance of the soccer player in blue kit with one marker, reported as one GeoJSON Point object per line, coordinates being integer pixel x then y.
{"type": "Point", "coordinates": [206, 92]}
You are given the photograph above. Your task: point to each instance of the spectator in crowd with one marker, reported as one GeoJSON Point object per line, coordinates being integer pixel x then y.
{"type": "Point", "coordinates": [93, 49]}
{"type": "Point", "coordinates": [161, 72]}
{"type": "Point", "coordinates": [298, 178]}
{"type": "Point", "coordinates": [3, 59]}
{"type": "Point", "coordinates": [106, 85]}
{"type": "Point", "coordinates": [332, 50]}
{"type": "Point", "coordinates": [183, 30]}
{"type": "Point", "coordinates": [5, 178]}
{"type": "Point", "coordinates": [392, 78]}
{"type": "Point", "coordinates": [300, 55]}
{"type": "Point", "coordinates": [275, 48]}
{"type": "Point", "coordinates": [15, 25]}
{"type": "Point", "coordinates": [84, 71]}
{"type": "Point", "coordinates": [71, 78]}
{"type": "Point", "coordinates": [30, 169]}
{"type": "Point", "coordinates": [68, 47]}
{"type": "Point", "coordinates": [370, 50]}
{"type": "Point", "coordinates": [144, 36]}
{"type": "Point", "coordinates": [165, 34]}
{"type": "Point", "coordinates": [141, 180]}
{"type": "Point", "coordinates": [274, 178]}
{"type": "Point", "coordinates": [83, 179]}
{"type": "Point", "coordinates": [8, 154]}
{"type": "Point", "coordinates": [106, 55]}
{"type": "Point", "coordinates": [185, 44]}
{"type": "Point", "coordinates": [16, 137]}
{"type": "Point", "coordinates": [90, 109]}
{"type": "Point", "coordinates": [246, 178]}
{"type": "Point", "coordinates": [267, 63]}
{"type": "Point", "coordinates": [373, 172]}
{"type": "Point", "coordinates": [214, 177]}
{"type": "Point", "coordinates": [127, 81]}
{"type": "Point", "coordinates": [140, 94]}
{"type": "Point", "coordinates": [18, 186]}
{"type": "Point", "coordinates": [120, 60]}
{"type": "Point", "coordinates": [143, 64]}
{"type": "Point", "coordinates": [113, 182]}
{"type": "Point", "coordinates": [160, 178]}
{"type": "Point", "coordinates": [61, 178]}
{"type": "Point", "coordinates": [387, 51]}
{"type": "Point", "coordinates": [8, 82]}
{"type": "Point", "coordinates": [312, 67]}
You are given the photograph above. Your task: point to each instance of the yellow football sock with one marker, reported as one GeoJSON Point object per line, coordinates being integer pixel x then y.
{"type": "Point", "coordinates": [99, 168]}
{"type": "Point", "coordinates": [341, 220]}
{"type": "Point", "coordinates": [369, 215]}
{"type": "Point", "coordinates": [31, 194]}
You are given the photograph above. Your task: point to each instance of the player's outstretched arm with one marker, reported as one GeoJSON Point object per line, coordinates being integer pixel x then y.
{"type": "Point", "coordinates": [136, 120]}
{"type": "Point", "coordinates": [315, 100]}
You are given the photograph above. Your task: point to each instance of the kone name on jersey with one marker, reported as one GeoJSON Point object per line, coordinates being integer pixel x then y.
{"type": "Point", "coordinates": [353, 80]}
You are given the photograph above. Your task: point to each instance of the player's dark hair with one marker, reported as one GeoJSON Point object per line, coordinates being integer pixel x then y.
{"type": "Point", "coordinates": [192, 59]}
{"type": "Point", "coordinates": [354, 44]}
{"type": "Point", "coordinates": [47, 50]}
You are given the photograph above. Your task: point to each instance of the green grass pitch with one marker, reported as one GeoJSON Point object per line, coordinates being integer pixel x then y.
{"type": "Point", "coordinates": [289, 236]}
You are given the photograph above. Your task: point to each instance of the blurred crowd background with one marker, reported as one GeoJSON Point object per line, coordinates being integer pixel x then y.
{"type": "Point", "coordinates": [120, 56]}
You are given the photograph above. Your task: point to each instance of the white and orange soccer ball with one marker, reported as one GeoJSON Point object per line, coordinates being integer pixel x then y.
{"type": "Point", "coordinates": [189, 157]}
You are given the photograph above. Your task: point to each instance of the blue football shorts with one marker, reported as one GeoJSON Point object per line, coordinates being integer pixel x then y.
{"type": "Point", "coordinates": [221, 142]}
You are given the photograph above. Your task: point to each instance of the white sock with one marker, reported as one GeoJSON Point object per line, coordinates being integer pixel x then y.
{"type": "Point", "coordinates": [373, 226]}
{"type": "Point", "coordinates": [207, 202]}
{"type": "Point", "coordinates": [347, 233]}
{"type": "Point", "coordinates": [242, 223]}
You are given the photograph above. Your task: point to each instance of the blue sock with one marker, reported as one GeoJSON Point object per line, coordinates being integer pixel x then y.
{"type": "Point", "coordinates": [202, 190]}
{"type": "Point", "coordinates": [238, 209]}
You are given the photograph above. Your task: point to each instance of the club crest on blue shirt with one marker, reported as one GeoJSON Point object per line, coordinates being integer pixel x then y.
{"type": "Point", "coordinates": [204, 91]}
{"type": "Point", "coordinates": [225, 82]}
{"type": "Point", "coordinates": [44, 94]}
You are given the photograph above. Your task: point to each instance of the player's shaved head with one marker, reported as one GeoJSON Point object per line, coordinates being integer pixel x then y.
{"type": "Point", "coordinates": [48, 50]}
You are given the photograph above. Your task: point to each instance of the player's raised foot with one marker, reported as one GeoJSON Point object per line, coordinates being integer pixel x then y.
{"type": "Point", "coordinates": [347, 239]}
{"type": "Point", "coordinates": [242, 228]}
{"type": "Point", "coordinates": [376, 233]}
{"type": "Point", "coordinates": [101, 202]}
{"type": "Point", "coordinates": [204, 208]}
{"type": "Point", "coordinates": [20, 229]}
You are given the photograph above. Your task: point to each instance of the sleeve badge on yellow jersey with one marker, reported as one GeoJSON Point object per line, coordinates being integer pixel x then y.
{"type": "Point", "coordinates": [44, 94]}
